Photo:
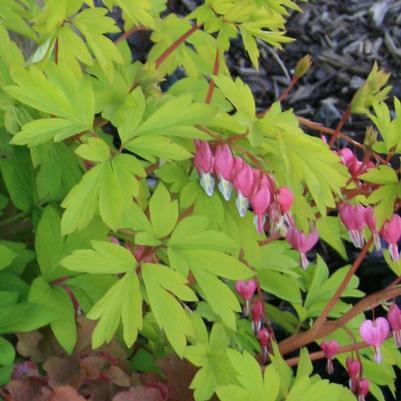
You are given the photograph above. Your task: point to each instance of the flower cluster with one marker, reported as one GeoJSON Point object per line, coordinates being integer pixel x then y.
{"type": "Point", "coordinates": [246, 290]}
{"type": "Point", "coordinates": [252, 186]}
{"type": "Point", "coordinates": [356, 217]}
{"type": "Point", "coordinates": [354, 165]}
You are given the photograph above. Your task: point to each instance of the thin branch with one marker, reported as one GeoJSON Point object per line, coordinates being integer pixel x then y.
{"type": "Point", "coordinates": [176, 44]}
{"type": "Point", "coordinates": [371, 301]}
{"type": "Point", "coordinates": [341, 123]}
{"type": "Point", "coordinates": [130, 32]}
{"type": "Point", "coordinates": [357, 263]}
{"type": "Point", "coordinates": [289, 88]}
{"type": "Point", "coordinates": [212, 84]}
{"type": "Point", "coordinates": [314, 356]}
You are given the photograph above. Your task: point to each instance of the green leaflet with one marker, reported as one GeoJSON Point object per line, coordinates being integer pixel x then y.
{"type": "Point", "coordinates": [24, 317]}
{"type": "Point", "coordinates": [252, 384]}
{"type": "Point", "coordinates": [192, 247]}
{"type": "Point", "coordinates": [138, 12]}
{"type": "Point", "coordinates": [321, 288]}
{"type": "Point", "coordinates": [7, 355]}
{"type": "Point", "coordinates": [301, 159]}
{"type": "Point", "coordinates": [13, 16]}
{"type": "Point", "coordinates": [108, 186]}
{"type": "Point", "coordinates": [57, 300]}
{"type": "Point", "coordinates": [105, 257]}
{"type": "Point", "coordinates": [163, 212]}
{"type": "Point", "coordinates": [18, 177]}
{"type": "Point", "coordinates": [122, 302]}
{"type": "Point", "coordinates": [56, 92]}
{"type": "Point", "coordinates": [89, 288]}
{"type": "Point", "coordinates": [7, 255]}
{"type": "Point", "coordinates": [210, 355]}
{"type": "Point", "coordinates": [166, 120]}
{"type": "Point", "coordinates": [162, 286]}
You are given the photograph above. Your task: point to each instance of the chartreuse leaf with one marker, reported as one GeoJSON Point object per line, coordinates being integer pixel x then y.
{"type": "Point", "coordinates": [374, 90]}
{"type": "Point", "coordinates": [93, 24]}
{"type": "Point", "coordinates": [193, 247]}
{"type": "Point", "coordinates": [89, 288]}
{"type": "Point", "coordinates": [153, 147]}
{"type": "Point", "coordinates": [380, 175]}
{"type": "Point", "coordinates": [123, 301]}
{"type": "Point", "coordinates": [163, 212]}
{"type": "Point", "coordinates": [276, 271]}
{"type": "Point", "coordinates": [329, 229]}
{"type": "Point", "coordinates": [105, 257]}
{"type": "Point", "coordinates": [130, 114]}
{"type": "Point", "coordinates": [305, 367]}
{"type": "Point", "coordinates": [252, 385]}
{"type": "Point", "coordinates": [108, 186]}
{"type": "Point", "coordinates": [299, 159]}
{"type": "Point", "coordinates": [384, 198]}
{"type": "Point", "coordinates": [13, 15]}
{"type": "Point", "coordinates": [205, 266]}
{"type": "Point", "coordinates": [389, 129]}
{"type": "Point", "coordinates": [163, 285]}
{"type": "Point", "coordinates": [192, 232]}
{"type": "Point", "coordinates": [95, 150]}
{"type": "Point", "coordinates": [175, 116]}
{"type": "Point", "coordinates": [57, 92]}
{"type": "Point", "coordinates": [81, 203]}
{"type": "Point", "coordinates": [138, 12]}
{"type": "Point", "coordinates": [57, 300]}
{"type": "Point", "coordinates": [196, 59]}
{"type": "Point", "coordinates": [211, 357]}
{"type": "Point", "coordinates": [321, 288]}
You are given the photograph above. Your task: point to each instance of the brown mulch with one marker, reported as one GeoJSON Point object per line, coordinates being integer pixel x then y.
{"type": "Point", "coordinates": [344, 38]}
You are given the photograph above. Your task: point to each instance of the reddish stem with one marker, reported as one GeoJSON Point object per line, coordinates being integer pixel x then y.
{"type": "Point", "coordinates": [341, 123]}
{"type": "Point", "coordinates": [321, 319]}
{"type": "Point", "coordinates": [314, 356]}
{"type": "Point", "coordinates": [130, 32]}
{"type": "Point", "coordinates": [176, 44]}
{"type": "Point", "coordinates": [212, 84]}
{"type": "Point", "coordinates": [289, 88]}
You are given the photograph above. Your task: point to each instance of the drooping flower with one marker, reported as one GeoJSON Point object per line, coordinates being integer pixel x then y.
{"type": "Point", "coordinates": [354, 371]}
{"type": "Point", "coordinates": [285, 199]}
{"type": "Point", "coordinates": [330, 349]}
{"type": "Point", "coordinates": [374, 333]}
{"type": "Point", "coordinates": [264, 341]}
{"type": "Point", "coordinates": [391, 232]}
{"type": "Point", "coordinates": [246, 289]}
{"type": "Point", "coordinates": [362, 389]}
{"type": "Point", "coordinates": [370, 220]}
{"type": "Point", "coordinates": [394, 317]}
{"type": "Point", "coordinates": [302, 242]}
{"type": "Point", "coordinates": [347, 156]}
{"type": "Point", "coordinates": [203, 161]}
{"type": "Point", "coordinates": [260, 201]}
{"type": "Point", "coordinates": [224, 169]}
{"type": "Point", "coordinates": [114, 240]}
{"type": "Point", "coordinates": [353, 217]}
{"type": "Point", "coordinates": [257, 315]}
{"type": "Point", "coordinates": [244, 184]}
